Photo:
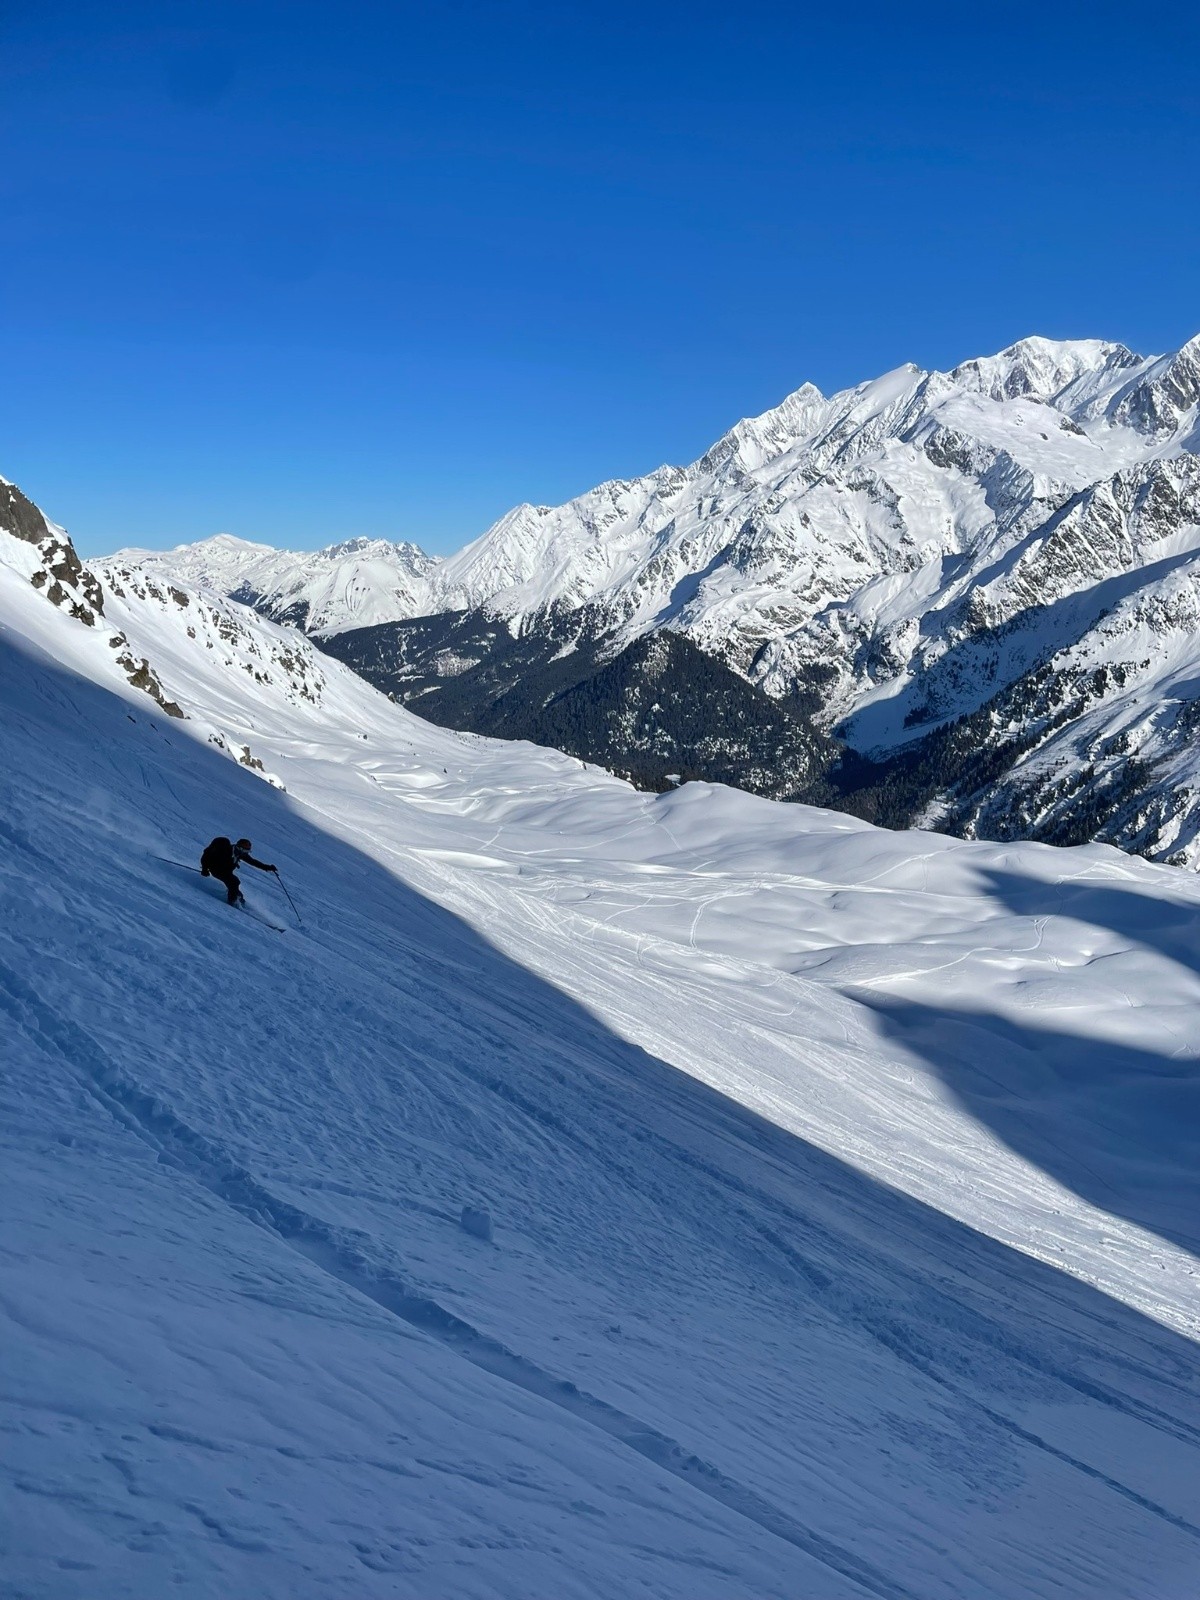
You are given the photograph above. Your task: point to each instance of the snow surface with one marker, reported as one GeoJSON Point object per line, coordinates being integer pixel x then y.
{"type": "Point", "coordinates": [843, 1184]}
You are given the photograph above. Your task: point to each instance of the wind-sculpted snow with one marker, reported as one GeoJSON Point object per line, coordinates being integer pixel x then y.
{"type": "Point", "coordinates": [842, 1185]}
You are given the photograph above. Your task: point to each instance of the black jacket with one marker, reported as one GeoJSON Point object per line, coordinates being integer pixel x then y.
{"type": "Point", "coordinates": [222, 858]}
{"type": "Point", "coordinates": [244, 855]}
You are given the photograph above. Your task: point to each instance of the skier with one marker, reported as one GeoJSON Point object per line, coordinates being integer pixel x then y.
{"type": "Point", "coordinates": [221, 860]}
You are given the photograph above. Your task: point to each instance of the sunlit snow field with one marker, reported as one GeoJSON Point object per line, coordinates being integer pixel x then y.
{"type": "Point", "coordinates": [843, 1184]}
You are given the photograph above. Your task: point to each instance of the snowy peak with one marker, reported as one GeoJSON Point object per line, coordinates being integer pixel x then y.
{"type": "Point", "coordinates": [756, 440]}
{"type": "Point", "coordinates": [356, 583]}
{"type": "Point", "coordinates": [823, 492]}
{"type": "Point", "coordinates": [380, 549]}
{"type": "Point", "coordinates": [538, 556]}
{"type": "Point", "coordinates": [1044, 369]}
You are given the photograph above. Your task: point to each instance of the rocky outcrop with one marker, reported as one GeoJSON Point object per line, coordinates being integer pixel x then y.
{"type": "Point", "coordinates": [58, 573]}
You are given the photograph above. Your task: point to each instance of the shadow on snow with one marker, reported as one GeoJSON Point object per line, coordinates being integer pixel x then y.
{"type": "Point", "coordinates": [1117, 1124]}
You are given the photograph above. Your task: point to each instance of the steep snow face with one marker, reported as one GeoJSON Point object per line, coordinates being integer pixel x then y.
{"type": "Point", "coordinates": [842, 1185]}
{"type": "Point", "coordinates": [350, 585]}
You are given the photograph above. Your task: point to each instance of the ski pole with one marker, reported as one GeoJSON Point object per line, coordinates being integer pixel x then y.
{"type": "Point", "coordinates": [187, 867]}
{"type": "Point", "coordinates": [290, 901]}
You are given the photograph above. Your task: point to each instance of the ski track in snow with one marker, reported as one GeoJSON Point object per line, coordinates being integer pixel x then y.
{"type": "Point", "coordinates": [844, 1220]}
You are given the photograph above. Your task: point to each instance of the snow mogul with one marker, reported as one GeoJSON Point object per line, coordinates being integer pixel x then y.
{"type": "Point", "coordinates": [221, 859]}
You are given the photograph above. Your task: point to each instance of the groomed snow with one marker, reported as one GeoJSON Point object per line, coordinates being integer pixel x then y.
{"type": "Point", "coordinates": [843, 1184]}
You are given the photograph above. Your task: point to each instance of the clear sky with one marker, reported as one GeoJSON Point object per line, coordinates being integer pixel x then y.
{"type": "Point", "coordinates": [300, 272]}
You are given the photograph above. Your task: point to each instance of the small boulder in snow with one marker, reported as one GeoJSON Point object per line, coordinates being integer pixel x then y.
{"type": "Point", "coordinates": [477, 1221]}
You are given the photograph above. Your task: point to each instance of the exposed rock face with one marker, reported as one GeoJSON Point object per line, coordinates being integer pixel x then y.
{"type": "Point", "coordinates": [55, 570]}
{"type": "Point", "coordinates": [58, 572]}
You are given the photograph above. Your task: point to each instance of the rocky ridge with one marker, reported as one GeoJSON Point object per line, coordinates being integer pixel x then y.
{"type": "Point", "coordinates": [112, 599]}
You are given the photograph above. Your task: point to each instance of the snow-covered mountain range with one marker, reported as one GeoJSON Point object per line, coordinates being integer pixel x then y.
{"type": "Point", "coordinates": [349, 585]}
{"type": "Point", "coordinates": [790, 514]}
{"type": "Point", "coordinates": [585, 1192]}
{"type": "Point", "coordinates": [986, 582]}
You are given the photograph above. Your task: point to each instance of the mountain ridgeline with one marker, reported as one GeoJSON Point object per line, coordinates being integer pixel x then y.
{"type": "Point", "coordinates": [965, 600]}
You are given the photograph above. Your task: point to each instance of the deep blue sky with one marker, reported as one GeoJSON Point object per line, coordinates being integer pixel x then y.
{"type": "Point", "coordinates": [299, 272]}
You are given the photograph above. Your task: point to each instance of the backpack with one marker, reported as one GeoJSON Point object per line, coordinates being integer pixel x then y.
{"type": "Point", "coordinates": [218, 860]}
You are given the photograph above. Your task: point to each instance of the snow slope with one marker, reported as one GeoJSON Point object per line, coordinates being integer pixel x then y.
{"type": "Point", "coordinates": [842, 1184]}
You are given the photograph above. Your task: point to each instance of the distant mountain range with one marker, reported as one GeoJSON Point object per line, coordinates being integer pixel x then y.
{"type": "Point", "coordinates": [965, 599]}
